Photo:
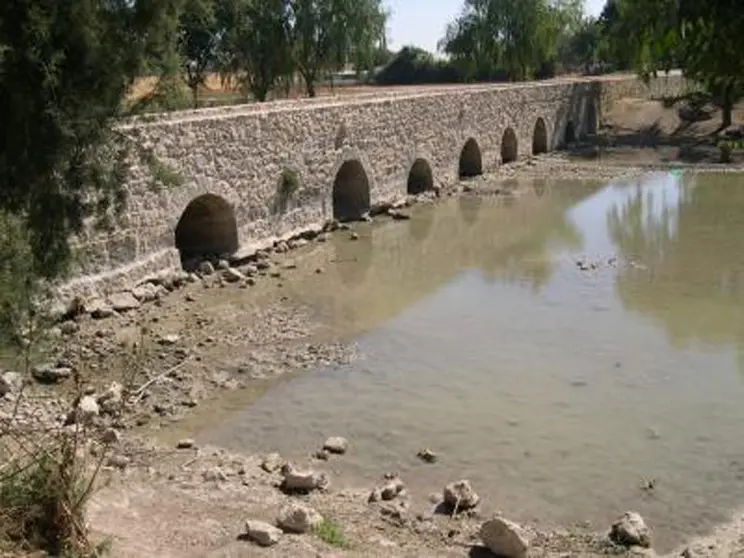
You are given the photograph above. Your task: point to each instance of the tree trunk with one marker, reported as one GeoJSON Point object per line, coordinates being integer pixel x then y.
{"type": "Point", "coordinates": [310, 86]}
{"type": "Point", "coordinates": [727, 106]}
{"type": "Point", "coordinates": [195, 95]}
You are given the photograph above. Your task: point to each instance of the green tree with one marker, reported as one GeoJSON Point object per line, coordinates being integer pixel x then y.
{"type": "Point", "coordinates": [254, 47]}
{"type": "Point", "coordinates": [66, 69]}
{"type": "Point", "coordinates": [197, 43]}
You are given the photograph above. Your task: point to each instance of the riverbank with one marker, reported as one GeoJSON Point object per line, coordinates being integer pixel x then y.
{"type": "Point", "coordinates": [190, 341]}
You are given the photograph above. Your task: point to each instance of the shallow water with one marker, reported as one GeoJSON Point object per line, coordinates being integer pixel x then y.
{"type": "Point", "coordinates": [555, 390]}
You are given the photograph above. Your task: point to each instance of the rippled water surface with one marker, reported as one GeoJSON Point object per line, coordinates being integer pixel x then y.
{"type": "Point", "coordinates": [555, 389]}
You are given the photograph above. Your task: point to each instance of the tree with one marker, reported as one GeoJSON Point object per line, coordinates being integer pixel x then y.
{"type": "Point", "coordinates": [255, 47]}
{"type": "Point", "coordinates": [700, 37]}
{"type": "Point", "coordinates": [197, 43]}
{"type": "Point", "coordinates": [66, 68]}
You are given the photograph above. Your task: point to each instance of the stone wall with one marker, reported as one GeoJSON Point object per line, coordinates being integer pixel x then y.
{"type": "Point", "coordinates": [254, 173]}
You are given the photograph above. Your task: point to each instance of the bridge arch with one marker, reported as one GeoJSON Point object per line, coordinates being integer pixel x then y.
{"type": "Point", "coordinates": [471, 160]}
{"type": "Point", "coordinates": [420, 177]}
{"type": "Point", "coordinates": [509, 146]}
{"type": "Point", "coordinates": [206, 228]}
{"type": "Point", "coordinates": [351, 191]}
{"type": "Point", "coordinates": [540, 137]}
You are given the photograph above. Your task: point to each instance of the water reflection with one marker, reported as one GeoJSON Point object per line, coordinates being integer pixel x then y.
{"type": "Point", "coordinates": [686, 235]}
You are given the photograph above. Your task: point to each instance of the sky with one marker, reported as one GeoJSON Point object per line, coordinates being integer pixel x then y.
{"type": "Point", "coordinates": [422, 22]}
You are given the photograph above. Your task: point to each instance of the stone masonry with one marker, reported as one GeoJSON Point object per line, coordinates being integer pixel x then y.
{"type": "Point", "coordinates": [257, 173]}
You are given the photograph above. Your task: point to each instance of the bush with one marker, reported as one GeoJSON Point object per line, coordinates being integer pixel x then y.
{"type": "Point", "coordinates": [330, 532]}
{"type": "Point", "coordinates": [414, 66]}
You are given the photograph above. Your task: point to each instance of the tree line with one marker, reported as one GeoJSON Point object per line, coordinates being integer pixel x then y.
{"type": "Point", "coordinates": [66, 69]}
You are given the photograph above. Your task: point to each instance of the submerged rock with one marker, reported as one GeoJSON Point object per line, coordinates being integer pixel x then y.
{"type": "Point", "coordinates": [336, 444]}
{"type": "Point", "coordinates": [297, 518]}
{"type": "Point", "coordinates": [262, 533]}
{"type": "Point", "coordinates": [631, 530]}
{"type": "Point", "coordinates": [504, 538]}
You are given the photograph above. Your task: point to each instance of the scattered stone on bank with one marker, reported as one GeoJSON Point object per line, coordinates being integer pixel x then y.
{"type": "Point", "coordinates": [460, 496]}
{"type": "Point", "coordinates": [123, 302]}
{"type": "Point", "coordinates": [427, 456]}
{"type": "Point", "coordinates": [232, 275]}
{"type": "Point", "coordinates": [146, 292]}
{"type": "Point", "coordinates": [398, 215]}
{"type": "Point", "coordinates": [169, 339]}
{"type": "Point", "coordinates": [303, 481]}
{"type": "Point", "coordinates": [98, 309]}
{"type": "Point", "coordinates": [69, 327]}
{"type": "Point", "coordinates": [49, 373]}
{"type": "Point", "coordinates": [186, 443]}
{"type": "Point", "coordinates": [504, 538]}
{"type": "Point", "coordinates": [272, 463]}
{"type": "Point", "coordinates": [111, 400]}
{"type": "Point", "coordinates": [389, 490]}
{"type": "Point", "coordinates": [10, 382]}
{"type": "Point", "coordinates": [298, 518]}
{"type": "Point", "coordinates": [118, 461]}
{"type": "Point", "coordinates": [206, 268]}
{"type": "Point", "coordinates": [631, 530]}
{"type": "Point", "coordinates": [322, 455]}
{"type": "Point", "coordinates": [110, 437]}
{"type": "Point", "coordinates": [336, 444]}
{"type": "Point", "coordinates": [262, 533]}
{"type": "Point", "coordinates": [353, 236]}
{"type": "Point", "coordinates": [85, 411]}
{"type": "Point", "coordinates": [214, 474]}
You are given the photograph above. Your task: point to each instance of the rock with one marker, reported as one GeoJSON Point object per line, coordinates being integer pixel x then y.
{"type": "Point", "coordinates": [353, 236]}
{"type": "Point", "coordinates": [304, 481]}
{"type": "Point", "coordinates": [147, 292]}
{"type": "Point", "coordinates": [631, 530]}
{"type": "Point", "coordinates": [322, 455]}
{"type": "Point", "coordinates": [249, 270]}
{"type": "Point", "coordinates": [118, 461]}
{"type": "Point", "coordinates": [336, 444]}
{"type": "Point", "coordinates": [232, 275]}
{"type": "Point", "coordinates": [391, 489]}
{"type": "Point", "coordinates": [206, 268]}
{"type": "Point", "coordinates": [398, 215]}
{"type": "Point", "coordinates": [98, 308]}
{"type": "Point", "coordinates": [123, 302]}
{"type": "Point", "coordinates": [169, 339]}
{"type": "Point", "coordinates": [112, 399]}
{"type": "Point", "coordinates": [69, 327]}
{"type": "Point", "coordinates": [298, 518]}
{"type": "Point", "coordinates": [504, 538]}
{"type": "Point", "coordinates": [50, 374]}
{"type": "Point", "coordinates": [460, 495]}
{"type": "Point", "coordinates": [272, 463]}
{"type": "Point", "coordinates": [214, 474]}
{"type": "Point", "coordinates": [10, 382]}
{"type": "Point", "coordinates": [222, 264]}
{"type": "Point", "coordinates": [87, 409]}
{"type": "Point", "coordinates": [110, 437]}
{"type": "Point", "coordinates": [262, 533]}
{"type": "Point", "coordinates": [186, 443]}
{"type": "Point", "coordinates": [427, 456]}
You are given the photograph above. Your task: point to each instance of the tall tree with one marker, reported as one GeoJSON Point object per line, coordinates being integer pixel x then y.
{"type": "Point", "coordinates": [254, 47]}
{"type": "Point", "coordinates": [197, 41]}
{"type": "Point", "coordinates": [66, 68]}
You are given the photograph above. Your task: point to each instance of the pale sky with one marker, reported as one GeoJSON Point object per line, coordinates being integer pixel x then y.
{"type": "Point", "coordinates": [422, 22]}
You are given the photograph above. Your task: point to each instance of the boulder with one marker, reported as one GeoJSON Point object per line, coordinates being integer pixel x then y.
{"type": "Point", "coordinates": [392, 489]}
{"type": "Point", "coordinates": [631, 530]}
{"type": "Point", "coordinates": [49, 373]}
{"type": "Point", "coordinates": [123, 302]}
{"type": "Point", "coordinates": [206, 268]}
{"type": "Point", "coordinates": [98, 309]}
{"type": "Point", "coordinates": [262, 533]}
{"type": "Point", "coordinates": [304, 481]}
{"type": "Point", "coordinates": [504, 538]}
{"type": "Point", "coordinates": [146, 292]}
{"type": "Point", "coordinates": [112, 399]}
{"type": "Point", "coordinates": [336, 444]}
{"type": "Point", "coordinates": [298, 518]}
{"type": "Point", "coordinates": [10, 382]}
{"type": "Point", "coordinates": [460, 495]}
{"type": "Point", "coordinates": [186, 443]}
{"type": "Point", "coordinates": [87, 409]}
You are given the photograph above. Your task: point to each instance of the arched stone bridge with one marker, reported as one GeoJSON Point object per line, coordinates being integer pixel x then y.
{"type": "Point", "coordinates": [254, 173]}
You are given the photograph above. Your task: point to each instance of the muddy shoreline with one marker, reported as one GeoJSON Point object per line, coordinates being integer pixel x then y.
{"type": "Point", "coordinates": [193, 341]}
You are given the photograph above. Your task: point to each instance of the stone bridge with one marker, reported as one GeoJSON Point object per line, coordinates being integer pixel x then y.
{"type": "Point", "coordinates": [251, 174]}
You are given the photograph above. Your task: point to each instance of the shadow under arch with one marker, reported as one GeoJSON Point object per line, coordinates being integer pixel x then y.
{"type": "Point", "coordinates": [592, 122]}
{"type": "Point", "coordinates": [540, 137]}
{"type": "Point", "coordinates": [509, 147]}
{"type": "Point", "coordinates": [471, 160]}
{"type": "Point", "coordinates": [540, 186]}
{"type": "Point", "coordinates": [420, 177]}
{"type": "Point", "coordinates": [569, 134]}
{"type": "Point", "coordinates": [206, 229]}
{"type": "Point", "coordinates": [351, 196]}
{"type": "Point", "coordinates": [353, 258]}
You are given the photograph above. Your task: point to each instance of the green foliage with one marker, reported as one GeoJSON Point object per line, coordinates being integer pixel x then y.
{"type": "Point", "coordinates": [331, 533]}
{"type": "Point", "coordinates": [66, 67]}
{"type": "Point", "coordinates": [197, 42]}
{"type": "Point", "coordinates": [416, 66]}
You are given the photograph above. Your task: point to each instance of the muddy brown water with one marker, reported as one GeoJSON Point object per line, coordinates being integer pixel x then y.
{"type": "Point", "coordinates": [558, 391]}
